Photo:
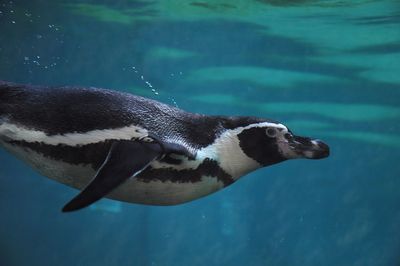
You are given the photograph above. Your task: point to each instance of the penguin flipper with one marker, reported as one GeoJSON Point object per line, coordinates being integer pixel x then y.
{"type": "Point", "coordinates": [177, 149]}
{"type": "Point", "coordinates": [125, 159]}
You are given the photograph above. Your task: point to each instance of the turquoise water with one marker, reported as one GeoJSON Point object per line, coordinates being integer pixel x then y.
{"type": "Point", "coordinates": [327, 69]}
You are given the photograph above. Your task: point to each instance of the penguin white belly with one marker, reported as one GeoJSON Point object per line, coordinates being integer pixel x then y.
{"type": "Point", "coordinates": [165, 192]}
{"type": "Point", "coordinates": [154, 192]}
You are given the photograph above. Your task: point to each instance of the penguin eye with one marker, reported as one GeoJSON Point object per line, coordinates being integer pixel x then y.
{"type": "Point", "coordinates": [146, 139]}
{"type": "Point", "coordinates": [288, 136]}
{"type": "Point", "coordinates": [271, 132]}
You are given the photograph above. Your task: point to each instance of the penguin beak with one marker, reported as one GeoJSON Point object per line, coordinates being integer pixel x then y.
{"type": "Point", "coordinates": [309, 148]}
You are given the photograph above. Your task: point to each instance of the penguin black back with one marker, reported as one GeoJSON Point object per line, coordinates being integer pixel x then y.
{"type": "Point", "coordinates": [60, 110]}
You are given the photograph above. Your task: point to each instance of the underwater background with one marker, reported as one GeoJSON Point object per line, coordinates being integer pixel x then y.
{"type": "Point", "coordinates": [326, 69]}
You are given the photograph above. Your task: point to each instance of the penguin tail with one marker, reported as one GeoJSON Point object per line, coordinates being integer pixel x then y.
{"type": "Point", "coordinates": [5, 89]}
{"type": "Point", "coordinates": [3, 92]}
{"type": "Point", "coordinates": [8, 90]}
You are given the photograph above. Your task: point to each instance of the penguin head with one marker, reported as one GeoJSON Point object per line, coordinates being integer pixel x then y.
{"type": "Point", "coordinates": [272, 142]}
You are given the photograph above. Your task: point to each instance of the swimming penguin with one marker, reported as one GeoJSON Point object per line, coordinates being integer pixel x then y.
{"type": "Point", "coordinates": [124, 147]}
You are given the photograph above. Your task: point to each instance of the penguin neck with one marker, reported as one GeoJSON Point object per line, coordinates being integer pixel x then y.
{"type": "Point", "coordinates": [229, 155]}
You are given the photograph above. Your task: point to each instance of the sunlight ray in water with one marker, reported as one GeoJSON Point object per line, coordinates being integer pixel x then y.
{"type": "Point", "coordinates": [159, 53]}
{"type": "Point", "coordinates": [257, 75]}
{"type": "Point", "coordinates": [342, 111]}
{"type": "Point", "coordinates": [101, 13]}
{"type": "Point", "coordinates": [378, 67]}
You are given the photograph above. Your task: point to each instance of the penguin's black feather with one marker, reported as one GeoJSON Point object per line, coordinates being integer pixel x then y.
{"type": "Point", "coordinates": [60, 110]}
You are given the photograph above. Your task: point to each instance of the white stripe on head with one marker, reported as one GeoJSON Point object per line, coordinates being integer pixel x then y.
{"type": "Point", "coordinates": [227, 151]}
{"type": "Point", "coordinates": [16, 132]}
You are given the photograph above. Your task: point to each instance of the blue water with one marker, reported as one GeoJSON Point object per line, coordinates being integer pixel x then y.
{"type": "Point", "coordinates": [327, 69]}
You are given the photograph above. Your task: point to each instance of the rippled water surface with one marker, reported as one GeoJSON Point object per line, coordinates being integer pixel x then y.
{"type": "Point", "coordinates": [327, 69]}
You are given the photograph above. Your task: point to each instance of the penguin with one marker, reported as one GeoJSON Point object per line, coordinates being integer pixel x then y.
{"type": "Point", "coordinates": [112, 144]}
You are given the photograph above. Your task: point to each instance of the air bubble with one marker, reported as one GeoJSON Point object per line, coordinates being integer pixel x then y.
{"type": "Point", "coordinates": [149, 84]}
{"type": "Point", "coordinates": [174, 102]}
